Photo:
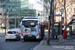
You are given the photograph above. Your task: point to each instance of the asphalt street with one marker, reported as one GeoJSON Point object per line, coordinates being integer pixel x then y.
{"type": "Point", "coordinates": [17, 45]}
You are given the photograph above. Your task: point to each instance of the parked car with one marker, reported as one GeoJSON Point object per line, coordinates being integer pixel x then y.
{"type": "Point", "coordinates": [12, 35]}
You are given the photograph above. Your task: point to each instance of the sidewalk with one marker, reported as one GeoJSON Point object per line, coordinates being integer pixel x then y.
{"type": "Point", "coordinates": [56, 45]}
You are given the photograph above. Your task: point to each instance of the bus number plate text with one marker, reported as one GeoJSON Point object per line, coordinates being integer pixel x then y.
{"type": "Point", "coordinates": [32, 23]}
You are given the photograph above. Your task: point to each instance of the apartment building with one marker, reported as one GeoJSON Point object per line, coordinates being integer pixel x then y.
{"type": "Point", "coordinates": [70, 10]}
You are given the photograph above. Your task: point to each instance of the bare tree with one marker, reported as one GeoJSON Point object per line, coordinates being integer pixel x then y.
{"type": "Point", "coordinates": [46, 5]}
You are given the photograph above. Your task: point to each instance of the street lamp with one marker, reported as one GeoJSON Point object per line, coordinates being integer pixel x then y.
{"type": "Point", "coordinates": [60, 36]}
{"type": "Point", "coordinates": [5, 19]}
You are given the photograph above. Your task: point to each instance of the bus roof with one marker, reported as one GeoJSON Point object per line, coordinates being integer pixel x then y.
{"type": "Point", "coordinates": [30, 18]}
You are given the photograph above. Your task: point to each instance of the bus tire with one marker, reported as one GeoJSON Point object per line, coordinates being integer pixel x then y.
{"type": "Point", "coordinates": [24, 39]}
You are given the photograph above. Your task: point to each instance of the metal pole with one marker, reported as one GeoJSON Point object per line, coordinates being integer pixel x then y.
{"type": "Point", "coordinates": [60, 36]}
{"type": "Point", "coordinates": [5, 23]}
{"type": "Point", "coordinates": [15, 22]}
{"type": "Point", "coordinates": [61, 25]}
{"type": "Point", "coordinates": [6, 20]}
{"type": "Point", "coordinates": [49, 24]}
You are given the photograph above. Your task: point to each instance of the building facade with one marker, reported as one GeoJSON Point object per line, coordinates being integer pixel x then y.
{"type": "Point", "coordinates": [11, 10]}
{"type": "Point", "coordinates": [70, 10]}
{"type": "Point", "coordinates": [28, 12]}
{"type": "Point", "coordinates": [30, 5]}
{"type": "Point", "coordinates": [26, 9]}
{"type": "Point", "coordinates": [24, 4]}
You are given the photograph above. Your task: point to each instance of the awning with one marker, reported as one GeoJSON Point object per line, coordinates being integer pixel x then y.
{"type": "Point", "coordinates": [64, 23]}
{"type": "Point", "coordinates": [72, 25]}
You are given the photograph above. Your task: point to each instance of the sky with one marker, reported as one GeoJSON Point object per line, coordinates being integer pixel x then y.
{"type": "Point", "coordinates": [36, 5]}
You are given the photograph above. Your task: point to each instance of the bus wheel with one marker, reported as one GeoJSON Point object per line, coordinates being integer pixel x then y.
{"type": "Point", "coordinates": [24, 38]}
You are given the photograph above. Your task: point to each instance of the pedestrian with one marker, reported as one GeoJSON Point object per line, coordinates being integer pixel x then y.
{"type": "Point", "coordinates": [56, 33]}
{"type": "Point", "coordinates": [53, 33]}
{"type": "Point", "coordinates": [65, 35]}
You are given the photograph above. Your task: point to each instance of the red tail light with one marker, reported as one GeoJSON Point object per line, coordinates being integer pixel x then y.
{"type": "Point", "coordinates": [38, 32]}
{"type": "Point", "coordinates": [15, 34]}
{"type": "Point", "coordinates": [6, 35]}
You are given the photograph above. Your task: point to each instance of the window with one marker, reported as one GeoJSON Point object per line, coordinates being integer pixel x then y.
{"type": "Point", "coordinates": [71, 4]}
{"type": "Point", "coordinates": [71, 15]}
{"type": "Point", "coordinates": [10, 32]}
{"type": "Point", "coordinates": [74, 10]}
{"type": "Point", "coordinates": [14, 32]}
{"type": "Point", "coordinates": [67, 15]}
{"type": "Point", "coordinates": [67, 20]}
{"type": "Point", "coordinates": [59, 4]}
{"type": "Point", "coordinates": [59, 9]}
{"type": "Point", "coordinates": [67, 4]}
{"type": "Point", "coordinates": [58, 20]}
{"type": "Point", "coordinates": [71, 10]}
{"type": "Point", "coordinates": [67, 9]}
{"type": "Point", "coordinates": [0, 1]}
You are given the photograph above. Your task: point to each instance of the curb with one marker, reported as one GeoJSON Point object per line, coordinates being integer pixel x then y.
{"type": "Point", "coordinates": [36, 47]}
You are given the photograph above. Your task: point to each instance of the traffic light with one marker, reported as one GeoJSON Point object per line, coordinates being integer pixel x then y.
{"type": "Point", "coordinates": [38, 14]}
{"type": "Point", "coordinates": [49, 18]}
{"type": "Point", "coordinates": [10, 22]}
{"type": "Point", "coordinates": [62, 19]}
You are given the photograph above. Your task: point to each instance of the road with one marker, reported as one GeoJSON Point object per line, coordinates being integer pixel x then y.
{"type": "Point", "coordinates": [17, 45]}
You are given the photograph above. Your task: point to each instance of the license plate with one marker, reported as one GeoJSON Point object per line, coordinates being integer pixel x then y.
{"type": "Point", "coordinates": [10, 37]}
{"type": "Point", "coordinates": [32, 23]}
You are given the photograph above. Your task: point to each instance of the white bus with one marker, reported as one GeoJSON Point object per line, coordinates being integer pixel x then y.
{"type": "Point", "coordinates": [30, 28]}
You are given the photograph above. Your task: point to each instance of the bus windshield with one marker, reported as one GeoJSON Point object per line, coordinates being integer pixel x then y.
{"type": "Point", "coordinates": [29, 23]}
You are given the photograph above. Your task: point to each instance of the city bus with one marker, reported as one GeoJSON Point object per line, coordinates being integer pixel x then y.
{"type": "Point", "coordinates": [30, 28]}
